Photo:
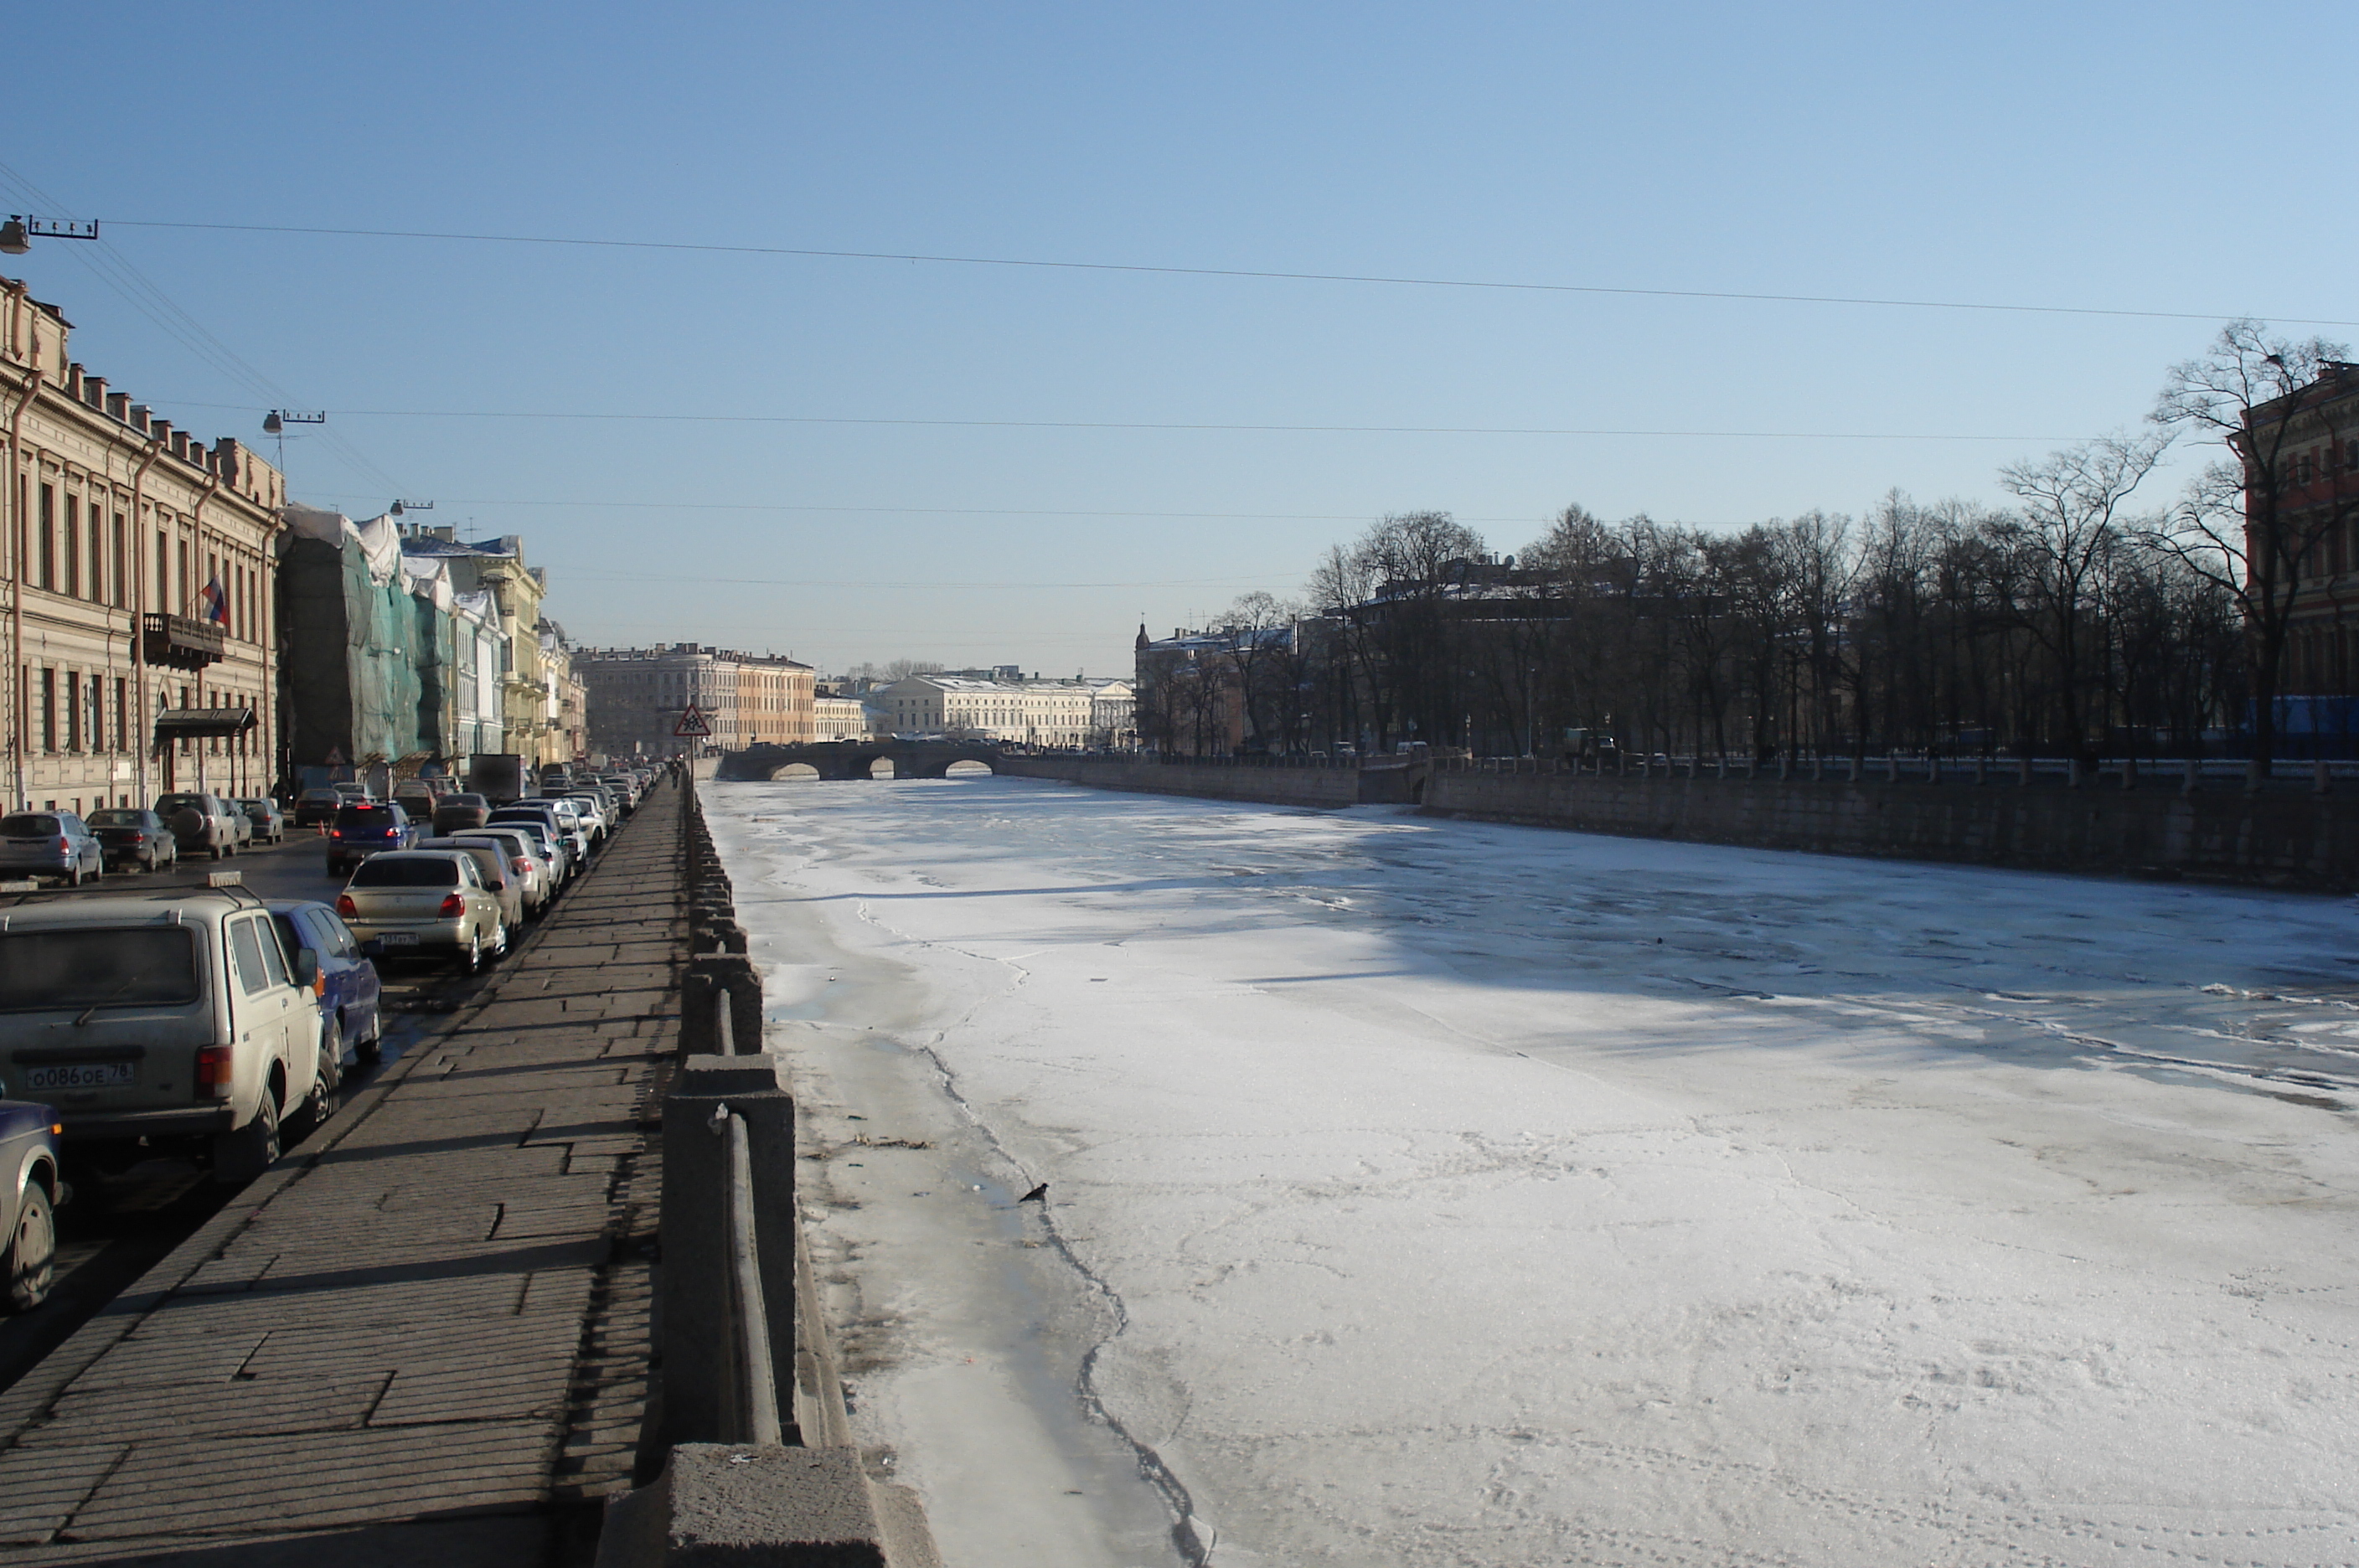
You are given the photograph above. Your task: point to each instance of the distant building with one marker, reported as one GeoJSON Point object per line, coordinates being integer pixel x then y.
{"type": "Point", "coordinates": [839, 718]}
{"type": "Point", "coordinates": [2310, 439]}
{"type": "Point", "coordinates": [636, 698]}
{"type": "Point", "coordinates": [1027, 713]}
{"type": "Point", "coordinates": [141, 655]}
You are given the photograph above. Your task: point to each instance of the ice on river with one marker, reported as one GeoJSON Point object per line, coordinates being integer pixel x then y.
{"type": "Point", "coordinates": [1440, 1193]}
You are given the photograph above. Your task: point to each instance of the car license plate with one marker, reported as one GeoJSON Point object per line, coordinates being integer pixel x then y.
{"type": "Point", "coordinates": [401, 938]}
{"type": "Point", "coordinates": [81, 1075]}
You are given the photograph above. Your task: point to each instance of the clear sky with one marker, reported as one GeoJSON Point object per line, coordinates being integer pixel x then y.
{"type": "Point", "coordinates": [2142, 158]}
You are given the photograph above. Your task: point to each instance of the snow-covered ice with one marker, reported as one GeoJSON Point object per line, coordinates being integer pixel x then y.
{"type": "Point", "coordinates": [1438, 1192]}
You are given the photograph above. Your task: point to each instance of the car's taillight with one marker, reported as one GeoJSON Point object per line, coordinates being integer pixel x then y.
{"type": "Point", "coordinates": [139, 838]}
{"type": "Point", "coordinates": [520, 866]}
{"type": "Point", "coordinates": [345, 907]}
{"type": "Point", "coordinates": [335, 833]}
{"type": "Point", "coordinates": [65, 844]}
{"type": "Point", "coordinates": [454, 905]}
{"type": "Point", "coordinates": [214, 1073]}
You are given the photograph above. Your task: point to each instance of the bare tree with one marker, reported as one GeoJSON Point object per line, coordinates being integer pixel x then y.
{"type": "Point", "coordinates": [2247, 524]}
{"type": "Point", "coordinates": [2072, 503]}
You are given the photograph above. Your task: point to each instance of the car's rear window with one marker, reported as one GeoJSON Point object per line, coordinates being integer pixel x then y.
{"type": "Point", "coordinates": [175, 803]}
{"type": "Point", "coordinates": [142, 966]}
{"type": "Point", "coordinates": [118, 818]}
{"type": "Point", "coordinates": [363, 816]}
{"type": "Point", "coordinates": [393, 872]}
{"type": "Point", "coordinates": [322, 797]}
{"type": "Point", "coordinates": [28, 825]}
{"type": "Point", "coordinates": [463, 800]}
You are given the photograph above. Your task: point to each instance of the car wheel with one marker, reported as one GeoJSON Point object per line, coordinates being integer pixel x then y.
{"type": "Point", "coordinates": [73, 874]}
{"type": "Point", "coordinates": [327, 1087]}
{"type": "Point", "coordinates": [371, 1049]}
{"type": "Point", "coordinates": [31, 1263]}
{"type": "Point", "coordinates": [472, 958]}
{"type": "Point", "coordinates": [239, 1157]}
{"type": "Point", "coordinates": [219, 851]}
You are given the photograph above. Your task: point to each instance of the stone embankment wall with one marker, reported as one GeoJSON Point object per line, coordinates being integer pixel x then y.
{"type": "Point", "coordinates": [1241, 780]}
{"type": "Point", "coordinates": [2283, 837]}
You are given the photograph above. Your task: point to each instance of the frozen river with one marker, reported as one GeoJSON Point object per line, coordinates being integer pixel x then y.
{"type": "Point", "coordinates": [1443, 1194]}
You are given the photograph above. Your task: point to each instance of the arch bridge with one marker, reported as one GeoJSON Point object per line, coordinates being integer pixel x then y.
{"type": "Point", "coordinates": [855, 758]}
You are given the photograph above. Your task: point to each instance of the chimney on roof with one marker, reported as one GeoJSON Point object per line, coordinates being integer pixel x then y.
{"type": "Point", "coordinates": [159, 429]}
{"type": "Point", "coordinates": [118, 406]}
{"type": "Point", "coordinates": [73, 382]}
{"type": "Point", "coordinates": [225, 459]}
{"type": "Point", "coordinates": [93, 391]}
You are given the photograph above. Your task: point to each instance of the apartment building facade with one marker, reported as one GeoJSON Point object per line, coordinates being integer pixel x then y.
{"type": "Point", "coordinates": [636, 698]}
{"type": "Point", "coordinates": [138, 564]}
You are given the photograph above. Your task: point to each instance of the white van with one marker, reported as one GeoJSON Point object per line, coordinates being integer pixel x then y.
{"type": "Point", "coordinates": [177, 1022]}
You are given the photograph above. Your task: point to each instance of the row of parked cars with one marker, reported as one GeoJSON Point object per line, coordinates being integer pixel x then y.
{"type": "Point", "coordinates": [214, 1022]}
{"type": "Point", "coordinates": [71, 848]}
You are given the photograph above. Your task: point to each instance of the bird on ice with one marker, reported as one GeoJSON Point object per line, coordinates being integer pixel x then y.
{"type": "Point", "coordinates": [1037, 1195]}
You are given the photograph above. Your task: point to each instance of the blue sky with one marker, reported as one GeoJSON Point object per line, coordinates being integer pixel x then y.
{"type": "Point", "coordinates": [2113, 156]}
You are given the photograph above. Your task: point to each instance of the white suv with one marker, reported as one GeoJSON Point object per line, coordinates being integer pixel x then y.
{"type": "Point", "coordinates": [174, 1021]}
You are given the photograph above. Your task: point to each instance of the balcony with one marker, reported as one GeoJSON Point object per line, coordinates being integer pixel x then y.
{"type": "Point", "coordinates": [182, 643]}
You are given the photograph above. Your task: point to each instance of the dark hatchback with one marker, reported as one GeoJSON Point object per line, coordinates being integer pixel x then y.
{"type": "Point", "coordinates": [364, 828]}
{"type": "Point", "coordinates": [135, 838]}
{"type": "Point", "coordinates": [351, 1010]}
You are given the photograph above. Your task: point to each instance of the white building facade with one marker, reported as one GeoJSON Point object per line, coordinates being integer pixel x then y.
{"type": "Point", "coordinates": [1022, 712]}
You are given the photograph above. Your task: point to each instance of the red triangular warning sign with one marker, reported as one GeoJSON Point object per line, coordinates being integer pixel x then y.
{"type": "Point", "coordinates": [691, 723]}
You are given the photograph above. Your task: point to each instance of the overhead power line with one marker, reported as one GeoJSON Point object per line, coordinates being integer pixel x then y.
{"type": "Point", "coordinates": [1204, 426]}
{"type": "Point", "coordinates": [1272, 275]}
{"type": "Point", "coordinates": [143, 294]}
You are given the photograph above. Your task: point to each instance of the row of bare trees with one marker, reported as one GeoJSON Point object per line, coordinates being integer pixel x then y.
{"type": "Point", "coordinates": [2063, 623]}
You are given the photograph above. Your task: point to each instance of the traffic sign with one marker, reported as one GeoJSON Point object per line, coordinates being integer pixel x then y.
{"type": "Point", "coordinates": [691, 723]}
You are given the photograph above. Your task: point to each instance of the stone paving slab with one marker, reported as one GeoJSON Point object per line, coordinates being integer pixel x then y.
{"type": "Point", "coordinates": [410, 1339]}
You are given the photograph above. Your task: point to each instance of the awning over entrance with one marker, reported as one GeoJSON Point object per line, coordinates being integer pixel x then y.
{"type": "Point", "coordinates": [193, 723]}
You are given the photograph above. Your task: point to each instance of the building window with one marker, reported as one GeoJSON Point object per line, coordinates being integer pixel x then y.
{"type": "Point", "coordinates": [48, 710]}
{"type": "Point", "coordinates": [163, 571]}
{"type": "Point", "coordinates": [48, 540]}
{"type": "Point", "coordinates": [122, 715]}
{"type": "Point", "coordinates": [74, 710]}
{"type": "Point", "coordinates": [121, 595]}
{"type": "Point", "coordinates": [74, 546]}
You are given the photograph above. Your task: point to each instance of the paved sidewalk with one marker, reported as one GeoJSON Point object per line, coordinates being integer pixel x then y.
{"type": "Point", "coordinates": [421, 1338]}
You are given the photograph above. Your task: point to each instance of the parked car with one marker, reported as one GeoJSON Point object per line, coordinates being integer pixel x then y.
{"type": "Point", "coordinates": [458, 812]}
{"type": "Point", "coordinates": [135, 838]}
{"type": "Point", "coordinates": [351, 995]}
{"type": "Point", "coordinates": [547, 843]}
{"type": "Point", "coordinates": [50, 843]}
{"type": "Point", "coordinates": [317, 808]}
{"type": "Point", "coordinates": [32, 1195]}
{"type": "Point", "coordinates": [202, 824]}
{"type": "Point", "coordinates": [501, 880]}
{"type": "Point", "coordinates": [366, 828]}
{"type": "Point", "coordinates": [424, 900]}
{"type": "Point", "coordinates": [160, 1023]}
{"type": "Point", "coordinates": [565, 825]}
{"type": "Point", "coordinates": [413, 795]}
{"type": "Point", "coordinates": [525, 858]}
{"type": "Point", "coordinates": [595, 815]}
{"type": "Point", "coordinates": [270, 821]}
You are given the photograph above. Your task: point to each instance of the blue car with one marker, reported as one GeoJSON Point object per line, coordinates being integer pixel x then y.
{"type": "Point", "coordinates": [363, 828]}
{"type": "Point", "coordinates": [30, 1193]}
{"type": "Point", "coordinates": [352, 1011]}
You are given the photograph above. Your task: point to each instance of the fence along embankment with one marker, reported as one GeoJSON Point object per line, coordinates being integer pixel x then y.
{"type": "Point", "coordinates": [2298, 832]}
{"type": "Point", "coordinates": [746, 1453]}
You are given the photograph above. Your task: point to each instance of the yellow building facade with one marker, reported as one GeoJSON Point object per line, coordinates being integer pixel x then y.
{"type": "Point", "coordinates": [138, 568]}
